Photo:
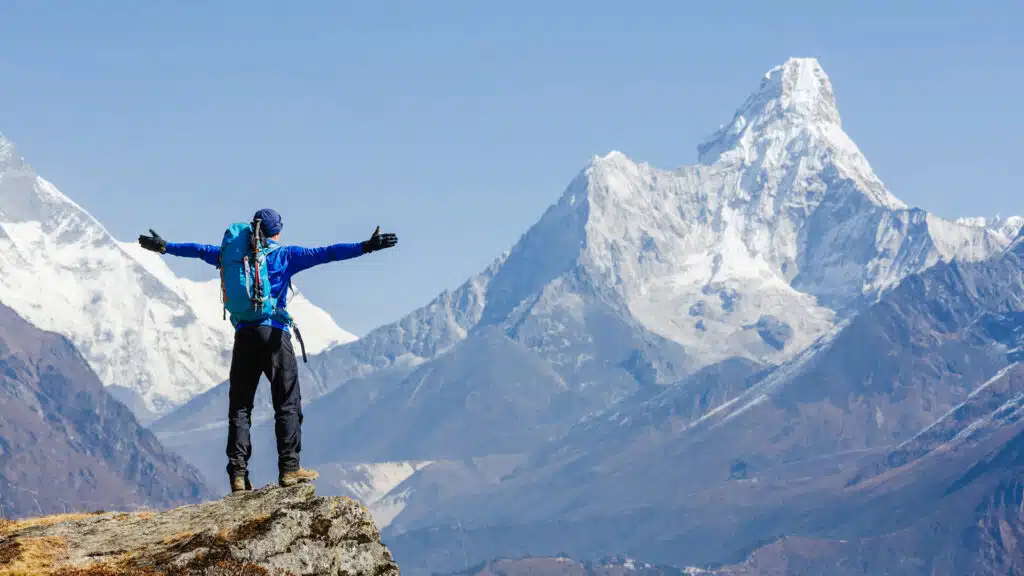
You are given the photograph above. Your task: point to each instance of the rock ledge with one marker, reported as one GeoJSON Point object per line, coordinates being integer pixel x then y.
{"type": "Point", "coordinates": [267, 531]}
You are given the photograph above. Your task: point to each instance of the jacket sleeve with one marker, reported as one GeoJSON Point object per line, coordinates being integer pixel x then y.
{"type": "Point", "coordinates": [205, 252]}
{"type": "Point", "coordinates": [300, 259]}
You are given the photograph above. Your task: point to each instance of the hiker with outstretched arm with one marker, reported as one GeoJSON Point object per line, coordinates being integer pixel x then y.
{"type": "Point", "coordinates": [256, 272]}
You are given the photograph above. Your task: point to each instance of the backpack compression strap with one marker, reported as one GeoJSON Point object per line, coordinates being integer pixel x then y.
{"type": "Point", "coordinates": [256, 239]}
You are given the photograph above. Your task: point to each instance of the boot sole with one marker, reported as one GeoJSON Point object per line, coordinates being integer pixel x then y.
{"type": "Point", "coordinates": [295, 482]}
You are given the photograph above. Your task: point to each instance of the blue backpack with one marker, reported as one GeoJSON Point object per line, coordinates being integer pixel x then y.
{"type": "Point", "coordinates": [244, 280]}
{"type": "Point", "coordinates": [245, 283]}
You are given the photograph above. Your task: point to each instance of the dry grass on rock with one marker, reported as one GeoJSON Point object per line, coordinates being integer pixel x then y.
{"type": "Point", "coordinates": [31, 556]}
{"type": "Point", "coordinates": [8, 527]}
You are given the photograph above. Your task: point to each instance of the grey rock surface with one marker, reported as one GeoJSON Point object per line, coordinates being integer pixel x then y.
{"type": "Point", "coordinates": [281, 530]}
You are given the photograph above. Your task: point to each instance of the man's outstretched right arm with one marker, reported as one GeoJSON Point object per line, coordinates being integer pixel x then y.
{"type": "Point", "coordinates": [205, 252]}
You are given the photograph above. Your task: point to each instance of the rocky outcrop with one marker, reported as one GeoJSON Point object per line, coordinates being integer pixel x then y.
{"type": "Point", "coordinates": [268, 531]}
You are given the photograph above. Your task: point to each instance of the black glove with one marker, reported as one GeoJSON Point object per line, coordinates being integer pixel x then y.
{"type": "Point", "coordinates": [378, 241]}
{"type": "Point", "coordinates": [154, 243]}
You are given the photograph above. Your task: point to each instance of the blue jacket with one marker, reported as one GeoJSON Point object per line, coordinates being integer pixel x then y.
{"type": "Point", "coordinates": [282, 264]}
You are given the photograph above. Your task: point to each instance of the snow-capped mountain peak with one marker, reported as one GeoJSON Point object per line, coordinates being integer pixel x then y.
{"type": "Point", "coordinates": [21, 202]}
{"type": "Point", "coordinates": [798, 87]}
{"type": "Point", "coordinates": [712, 256]}
{"type": "Point", "coordinates": [793, 119]}
{"type": "Point", "coordinates": [798, 94]}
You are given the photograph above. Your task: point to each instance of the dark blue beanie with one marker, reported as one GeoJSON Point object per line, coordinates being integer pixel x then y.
{"type": "Point", "coordinates": [271, 222]}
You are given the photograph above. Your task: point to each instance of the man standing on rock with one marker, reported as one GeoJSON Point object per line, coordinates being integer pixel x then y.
{"type": "Point", "coordinates": [256, 273]}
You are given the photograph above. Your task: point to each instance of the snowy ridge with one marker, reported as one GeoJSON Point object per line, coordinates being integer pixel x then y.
{"type": "Point", "coordinates": [988, 409]}
{"type": "Point", "coordinates": [1008, 227]}
{"type": "Point", "coordinates": [982, 388]}
{"type": "Point", "coordinates": [135, 321]}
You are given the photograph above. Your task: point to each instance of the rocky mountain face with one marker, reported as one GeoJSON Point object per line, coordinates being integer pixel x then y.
{"type": "Point", "coordinates": [955, 510]}
{"type": "Point", "coordinates": [158, 338]}
{"type": "Point", "coordinates": [65, 443]}
{"type": "Point", "coordinates": [268, 531]}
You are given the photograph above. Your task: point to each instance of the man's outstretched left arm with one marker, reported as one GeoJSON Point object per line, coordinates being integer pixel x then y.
{"type": "Point", "coordinates": [300, 259]}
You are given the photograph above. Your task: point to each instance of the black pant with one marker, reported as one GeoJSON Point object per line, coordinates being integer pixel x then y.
{"type": "Point", "coordinates": [264, 350]}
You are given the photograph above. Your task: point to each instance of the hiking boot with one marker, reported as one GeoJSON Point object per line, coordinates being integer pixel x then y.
{"type": "Point", "coordinates": [240, 483]}
{"type": "Point", "coordinates": [297, 477]}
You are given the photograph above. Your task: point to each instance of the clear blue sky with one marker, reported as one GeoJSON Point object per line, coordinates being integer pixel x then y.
{"type": "Point", "coordinates": [456, 123]}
